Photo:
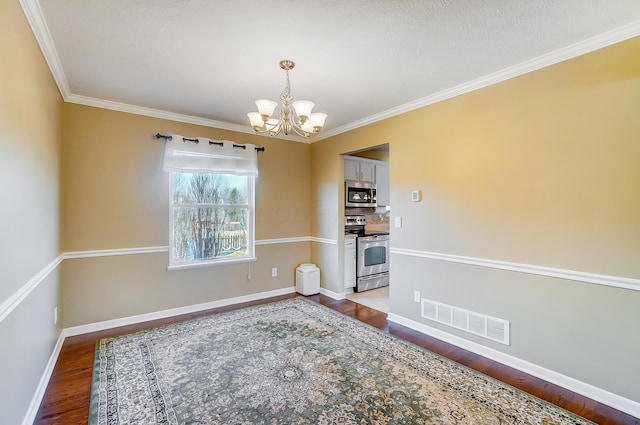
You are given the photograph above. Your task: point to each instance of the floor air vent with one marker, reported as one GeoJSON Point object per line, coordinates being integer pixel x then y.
{"type": "Point", "coordinates": [475, 323]}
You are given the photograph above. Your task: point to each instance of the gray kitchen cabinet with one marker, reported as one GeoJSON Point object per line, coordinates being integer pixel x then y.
{"type": "Point", "coordinates": [382, 184]}
{"type": "Point", "coordinates": [361, 171]}
{"type": "Point", "coordinates": [349, 261]}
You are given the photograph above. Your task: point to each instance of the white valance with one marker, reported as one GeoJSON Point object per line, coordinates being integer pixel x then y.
{"type": "Point", "coordinates": [209, 156]}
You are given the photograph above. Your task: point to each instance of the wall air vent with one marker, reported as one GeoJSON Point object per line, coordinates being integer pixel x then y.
{"type": "Point", "coordinates": [475, 323]}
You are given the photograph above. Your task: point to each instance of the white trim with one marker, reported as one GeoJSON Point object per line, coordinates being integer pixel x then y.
{"type": "Point", "coordinates": [283, 240]}
{"type": "Point", "coordinates": [324, 240]}
{"type": "Point", "coordinates": [172, 116]}
{"type": "Point", "coordinates": [130, 320]}
{"type": "Point", "coordinates": [610, 399]}
{"type": "Point", "coordinates": [30, 416]}
{"type": "Point", "coordinates": [40, 30]}
{"type": "Point", "coordinates": [155, 249]}
{"type": "Point", "coordinates": [17, 297]}
{"type": "Point", "coordinates": [221, 261]}
{"type": "Point", "coordinates": [114, 252]}
{"type": "Point", "coordinates": [156, 113]}
{"type": "Point", "coordinates": [598, 279]}
{"type": "Point", "coordinates": [334, 295]}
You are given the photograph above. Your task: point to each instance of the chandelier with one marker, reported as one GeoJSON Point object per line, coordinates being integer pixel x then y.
{"type": "Point", "coordinates": [294, 116]}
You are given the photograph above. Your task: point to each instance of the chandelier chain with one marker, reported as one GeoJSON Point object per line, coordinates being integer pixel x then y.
{"type": "Point", "coordinates": [287, 89]}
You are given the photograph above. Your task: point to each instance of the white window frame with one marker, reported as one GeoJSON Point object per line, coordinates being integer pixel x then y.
{"type": "Point", "coordinates": [218, 261]}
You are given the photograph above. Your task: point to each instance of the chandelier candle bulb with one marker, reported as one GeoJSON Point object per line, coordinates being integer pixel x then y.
{"type": "Point", "coordinates": [255, 119]}
{"type": "Point", "coordinates": [303, 108]}
{"type": "Point", "coordinates": [317, 119]}
{"type": "Point", "coordinates": [266, 107]}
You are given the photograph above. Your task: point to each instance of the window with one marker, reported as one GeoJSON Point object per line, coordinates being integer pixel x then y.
{"type": "Point", "coordinates": [211, 201]}
{"type": "Point", "coordinates": [211, 218]}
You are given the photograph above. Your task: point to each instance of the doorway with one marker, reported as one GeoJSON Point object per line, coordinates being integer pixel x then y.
{"type": "Point", "coordinates": [377, 219]}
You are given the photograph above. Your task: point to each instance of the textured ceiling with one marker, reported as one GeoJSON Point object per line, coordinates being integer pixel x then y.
{"type": "Point", "coordinates": [357, 60]}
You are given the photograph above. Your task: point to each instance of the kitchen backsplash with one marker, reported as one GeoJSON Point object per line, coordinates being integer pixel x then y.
{"type": "Point", "coordinates": [380, 216]}
{"type": "Point", "coordinates": [378, 221]}
{"type": "Point", "coordinates": [377, 218]}
{"type": "Point", "coordinates": [374, 215]}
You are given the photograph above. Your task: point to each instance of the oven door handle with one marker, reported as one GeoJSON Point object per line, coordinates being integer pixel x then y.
{"type": "Point", "coordinates": [373, 242]}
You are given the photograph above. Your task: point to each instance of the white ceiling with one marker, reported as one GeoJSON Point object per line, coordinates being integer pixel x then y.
{"type": "Point", "coordinates": [206, 61]}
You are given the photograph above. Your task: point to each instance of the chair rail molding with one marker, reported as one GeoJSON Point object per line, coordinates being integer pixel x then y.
{"type": "Point", "coordinates": [23, 292]}
{"type": "Point", "coordinates": [598, 279]}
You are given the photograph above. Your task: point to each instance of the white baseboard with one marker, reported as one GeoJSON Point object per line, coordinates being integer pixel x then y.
{"type": "Point", "coordinates": [131, 320]}
{"type": "Point", "coordinates": [334, 295]}
{"type": "Point", "coordinates": [44, 381]}
{"type": "Point", "coordinates": [610, 399]}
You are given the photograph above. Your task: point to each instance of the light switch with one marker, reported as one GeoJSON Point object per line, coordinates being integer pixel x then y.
{"type": "Point", "coordinates": [398, 222]}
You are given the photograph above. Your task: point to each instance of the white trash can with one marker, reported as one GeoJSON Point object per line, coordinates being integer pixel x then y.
{"type": "Point", "coordinates": [307, 279]}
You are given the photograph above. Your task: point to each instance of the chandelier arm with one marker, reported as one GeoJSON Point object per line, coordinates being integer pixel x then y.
{"type": "Point", "coordinates": [275, 129]}
{"type": "Point", "coordinates": [299, 131]}
{"type": "Point", "coordinates": [272, 131]}
{"type": "Point", "coordinates": [261, 130]}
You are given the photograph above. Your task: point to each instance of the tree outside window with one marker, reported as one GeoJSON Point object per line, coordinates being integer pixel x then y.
{"type": "Point", "coordinates": [211, 217]}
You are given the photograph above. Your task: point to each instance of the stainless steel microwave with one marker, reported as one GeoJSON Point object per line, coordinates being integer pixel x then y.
{"type": "Point", "coordinates": [360, 194]}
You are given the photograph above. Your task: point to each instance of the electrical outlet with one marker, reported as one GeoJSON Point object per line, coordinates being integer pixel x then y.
{"type": "Point", "coordinates": [416, 296]}
{"type": "Point", "coordinates": [55, 316]}
{"type": "Point", "coordinates": [274, 272]}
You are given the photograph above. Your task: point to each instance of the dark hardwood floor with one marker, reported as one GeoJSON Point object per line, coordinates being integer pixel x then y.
{"type": "Point", "coordinates": [66, 401]}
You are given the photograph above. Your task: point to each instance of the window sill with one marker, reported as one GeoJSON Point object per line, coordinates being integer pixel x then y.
{"type": "Point", "coordinates": [211, 263]}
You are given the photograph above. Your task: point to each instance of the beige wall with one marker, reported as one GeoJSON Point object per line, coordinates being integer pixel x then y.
{"type": "Point", "coordinates": [116, 196]}
{"type": "Point", "coordinates": [543, 169]}
{"type": "Point", "coordinates": [551, 158]}
{"type": "Point", "coordinates": [30, 109]}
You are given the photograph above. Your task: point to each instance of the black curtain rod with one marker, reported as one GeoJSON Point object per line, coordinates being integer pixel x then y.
{"type": "Point", "coordinates": [185, 139]}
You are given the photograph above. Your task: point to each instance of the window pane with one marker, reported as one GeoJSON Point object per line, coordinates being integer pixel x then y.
{"type": "Point", "coordinates": [200, 188]}
{"type": "Point", "coordinates": [207, 232]}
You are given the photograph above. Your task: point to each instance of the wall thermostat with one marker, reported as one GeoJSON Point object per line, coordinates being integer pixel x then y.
{"type": "Point", "coordinates": [415, 196]}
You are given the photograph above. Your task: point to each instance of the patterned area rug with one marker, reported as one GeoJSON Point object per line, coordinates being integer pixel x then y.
{"type": "Point", "coordinates": [294, 362]}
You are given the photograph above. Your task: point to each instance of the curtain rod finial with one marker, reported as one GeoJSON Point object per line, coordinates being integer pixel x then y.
{"type": "Point", "coordinates": [162, 136]}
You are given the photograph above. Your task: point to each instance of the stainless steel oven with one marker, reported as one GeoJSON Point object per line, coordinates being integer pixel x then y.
{"type": "Point", "coordinates": [372, 262]}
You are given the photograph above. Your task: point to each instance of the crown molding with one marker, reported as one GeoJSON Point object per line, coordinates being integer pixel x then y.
{"type": "Point", "coordinates": [40, 30]}
{"type": "Point", "coordinates": [608, 38]}
{"type": "Point", "coordinates": [166, 115]}
{"type": "Point", "coordinates": [39, 27]}
{"type": "Point", "coordinates": [156, 113]}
